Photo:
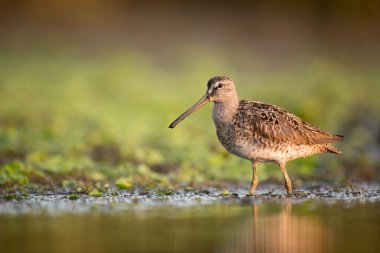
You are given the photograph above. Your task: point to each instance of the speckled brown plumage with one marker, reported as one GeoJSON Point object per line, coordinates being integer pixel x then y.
{"type": "Point", "coordinates": [260, 132]}
{"type": "Point", "coordinates": [271, 127]}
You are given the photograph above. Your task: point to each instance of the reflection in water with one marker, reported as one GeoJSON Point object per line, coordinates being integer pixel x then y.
{"type": "Point", "coordinates": [265, 227]}
{"type": "Point", "coordinates": [281, 232]}
{"type": "Point", "coordinates": [286, 233]}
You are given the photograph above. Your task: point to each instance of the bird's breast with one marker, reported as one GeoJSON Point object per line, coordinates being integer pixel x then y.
{"type": "Point", "coordinates": [232, 140]}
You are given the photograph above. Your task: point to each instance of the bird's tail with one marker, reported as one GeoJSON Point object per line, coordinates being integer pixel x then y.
{"type": "Point", "coordinates": [331, 149]}
{"type": "Point", "coordinates": [338, 137]}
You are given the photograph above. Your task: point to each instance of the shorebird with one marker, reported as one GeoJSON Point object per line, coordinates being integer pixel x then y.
{"type": "Point", "coordinates": [260, 132]}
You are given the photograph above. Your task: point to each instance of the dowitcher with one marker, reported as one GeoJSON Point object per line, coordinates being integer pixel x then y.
{"type": "Point", "coordinates": [260, 132]}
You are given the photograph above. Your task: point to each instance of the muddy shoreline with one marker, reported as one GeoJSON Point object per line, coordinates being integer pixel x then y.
{"type": "Point", "coordinates": [113, 200]}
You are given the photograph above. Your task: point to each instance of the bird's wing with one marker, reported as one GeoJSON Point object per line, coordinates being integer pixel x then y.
{"type": "Point", "coordinates": [274, 123]}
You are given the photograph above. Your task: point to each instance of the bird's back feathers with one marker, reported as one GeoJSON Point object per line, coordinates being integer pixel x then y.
{"type": "Point", "coordinates": [276, 124]}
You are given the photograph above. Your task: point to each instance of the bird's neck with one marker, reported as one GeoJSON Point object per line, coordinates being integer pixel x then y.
{"type": "Point", "coordinates": [223, 112]}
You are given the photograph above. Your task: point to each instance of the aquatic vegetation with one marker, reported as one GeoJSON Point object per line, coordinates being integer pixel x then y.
{"type": "Point", "coordinates": [124, 183]}
{"type": "Point", "coordinates": [13, 173]}
{"type": "Point", "coordinates": [225, 193]}
{"type": "Point", "coordinates": [73, 196]}
{"type": "Point", "coordinates": [95, 193]}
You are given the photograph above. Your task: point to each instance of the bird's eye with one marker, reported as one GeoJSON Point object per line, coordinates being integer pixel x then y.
{"type": "Point", "coordinates": [220, 85]}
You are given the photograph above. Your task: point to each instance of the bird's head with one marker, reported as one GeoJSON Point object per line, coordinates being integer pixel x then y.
{"type": "Point", "coordinates": [219, 90]}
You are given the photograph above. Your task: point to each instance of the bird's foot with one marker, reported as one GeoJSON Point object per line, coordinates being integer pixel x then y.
{"type": "Point", "coordinates": [252, 194]}
{"type": "Point", "coordinates": [289, 190]}
{"type": "Point", "coordinates": [290, 195]}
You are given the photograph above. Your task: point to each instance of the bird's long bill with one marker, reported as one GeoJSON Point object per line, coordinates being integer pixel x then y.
{"type": "Point", "coordinates": [204, 100]}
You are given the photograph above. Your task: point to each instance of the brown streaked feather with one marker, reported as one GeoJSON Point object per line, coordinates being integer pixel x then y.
{"type": "Point", "coordinates": [276, 124]}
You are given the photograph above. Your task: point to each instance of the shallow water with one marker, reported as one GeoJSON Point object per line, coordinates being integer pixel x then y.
{"type": "Point", "coordinates": [282, 225]}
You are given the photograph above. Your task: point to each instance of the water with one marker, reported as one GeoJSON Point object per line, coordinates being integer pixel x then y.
{"type": "Point", "coordinates": [283, 225]}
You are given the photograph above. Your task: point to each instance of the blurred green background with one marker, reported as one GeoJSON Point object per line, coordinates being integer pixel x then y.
{"type": "Point", "coordinates": [88, 88]}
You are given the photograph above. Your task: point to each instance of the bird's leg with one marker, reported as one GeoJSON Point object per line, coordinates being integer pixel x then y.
{"type": "Point", "coordinates": [255, 179]}
{"type": "Point", "coordinates": [288, 183]}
